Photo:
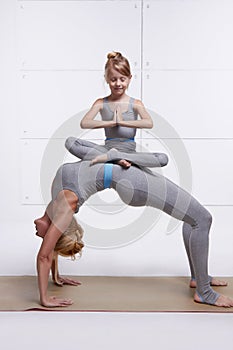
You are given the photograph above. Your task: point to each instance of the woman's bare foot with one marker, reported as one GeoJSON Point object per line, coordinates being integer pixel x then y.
{"type": "Point", "coordinates": [214, 282]}
{"type": "Point", "coordinates": [42, 226]}
{"type": "Point", "coordinates": [222, 301]}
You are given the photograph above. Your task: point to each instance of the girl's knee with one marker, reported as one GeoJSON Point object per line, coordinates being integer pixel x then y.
{"type": "Point", "coordinates": [163, 159]}
{"type": "Point", "coordinates": [70, 141]}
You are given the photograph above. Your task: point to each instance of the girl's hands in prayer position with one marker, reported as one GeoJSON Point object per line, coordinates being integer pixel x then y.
{"type": "Point", "coordinates": [118, 115]}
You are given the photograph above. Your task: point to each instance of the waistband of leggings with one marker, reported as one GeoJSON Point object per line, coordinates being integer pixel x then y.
{"type": "Point", "coordinates": [119, 139]}
{"type": "Point", "coordinates": [107, 174]}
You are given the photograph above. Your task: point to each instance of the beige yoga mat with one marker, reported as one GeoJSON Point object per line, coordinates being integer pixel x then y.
{"type": "Point", "coordinates": [109, 294]}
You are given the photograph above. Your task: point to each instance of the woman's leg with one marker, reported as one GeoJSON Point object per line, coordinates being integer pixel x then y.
{"type": "Point", "coordinates": [187, 230]}
{"type": "Point", "coordinates": [159, 192]}
{"type": "Point", "coordinates": [181, 205]}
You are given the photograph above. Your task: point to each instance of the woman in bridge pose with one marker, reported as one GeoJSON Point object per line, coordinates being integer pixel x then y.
{"type": "Point", "coordinates": [75, 182]}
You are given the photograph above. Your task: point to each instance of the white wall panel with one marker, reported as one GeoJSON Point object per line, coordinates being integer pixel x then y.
{"type": "Point", "coordinates": [212, 169]}
{"type": "Point", "coordinates": [36, 173]}
{"type": "Point", "coordinates": [33, 162]}
{"type": "Point", "coordinates": [30, 166]}
{"type": "Point", "coordinates": [187, 79]}
{"type": "Point", "coordinates": [198, 104]}
{"type": "Point", "coordinates": [46, 100]}
{"type": "Point", "coordinates": [77, 34]}
{"type": "Point", "coordinates": [156, 253]}
{"type": "Point", "coordinates": [212, 172]}
{"type": "Point", "coordinates": [40, 159]}
{"type": "Point", "coordinates": [188, 34]}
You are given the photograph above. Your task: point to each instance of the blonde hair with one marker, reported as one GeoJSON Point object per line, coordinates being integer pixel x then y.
{"type": "Point", "coordinates": [117, 62]}
{"type": "Point", "coordinates": [70, 243]}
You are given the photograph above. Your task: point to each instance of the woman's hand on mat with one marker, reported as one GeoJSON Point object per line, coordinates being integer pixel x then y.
{"type": "Point", "coordinates": [56, 302]}
{"type": "Point", "coordinates": [64, 280]}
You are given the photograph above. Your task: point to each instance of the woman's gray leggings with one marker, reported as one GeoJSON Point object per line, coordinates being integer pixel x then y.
{"type": "Point", "coordinates": [159, 192]}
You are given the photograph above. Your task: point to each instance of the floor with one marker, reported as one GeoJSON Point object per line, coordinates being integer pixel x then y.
{"type": "Point", "coordinates": [111, 331]}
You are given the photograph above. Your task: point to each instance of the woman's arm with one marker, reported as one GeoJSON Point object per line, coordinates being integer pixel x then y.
{"type": "Point", "coordinates": [144, 123]}
{"type": "Point", "coordinates": [59, 280]}
{"type": "Point", "coordinates": [89, 122]}
{"type": "Point", "coordinates": [63, 209]}
{"type": "Point", "coordinates": [44, 263]}
{"type": "Point", "coordinates": [54, 270]}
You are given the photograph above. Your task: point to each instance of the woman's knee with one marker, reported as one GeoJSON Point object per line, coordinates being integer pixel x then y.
{"type": "Point", "coordinates": [208, 217]}
{"type": "Point", "coordinates": [205, 219]}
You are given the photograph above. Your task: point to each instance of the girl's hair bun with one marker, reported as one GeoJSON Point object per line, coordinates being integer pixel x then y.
{"type": "Point", "coordinates": [117, 62]}
{"type": "Point", "coordinates": [114, 55]}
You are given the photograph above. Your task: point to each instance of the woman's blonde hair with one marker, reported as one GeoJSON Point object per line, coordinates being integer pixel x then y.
{"type": "Point", "coordinates": [70, 243]}
{"type": "Point", "coordinates": [119, 63]}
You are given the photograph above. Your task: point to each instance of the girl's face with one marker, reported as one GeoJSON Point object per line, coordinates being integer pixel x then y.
{"type": "Point", "coordinates": [118, 83]}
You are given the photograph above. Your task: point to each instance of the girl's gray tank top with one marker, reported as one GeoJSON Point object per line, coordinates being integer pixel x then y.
{"type": "Point", "coordinates": [119, 132]}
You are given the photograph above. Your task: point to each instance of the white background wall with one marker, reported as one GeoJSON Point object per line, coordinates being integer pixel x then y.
{"type": "Point", "coordinates": [52, 58]}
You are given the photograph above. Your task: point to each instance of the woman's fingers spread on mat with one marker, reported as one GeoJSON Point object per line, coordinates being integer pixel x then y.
{"type": "Point", "coordinates": [69, 281]}
{"type": "Point", "coordinates": [56, 302]}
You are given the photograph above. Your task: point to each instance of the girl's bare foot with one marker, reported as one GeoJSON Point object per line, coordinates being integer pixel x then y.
{"type": "Point", "coordinates": [124, 163]}
{"type": "Point", "coordinates": [42, 226]}
{"type": "Point", "coordinates": [103, 158]}
{"type": "Point", "coordinates": [214, 282]}
{"type": "Point", "coordinates": [222, 301]}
